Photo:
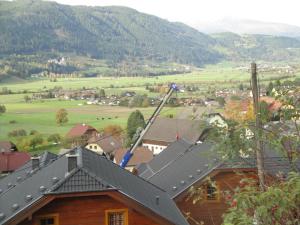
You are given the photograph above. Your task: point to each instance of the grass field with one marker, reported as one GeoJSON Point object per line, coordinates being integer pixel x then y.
{"type": "Point", "coordinates": [40, 116]}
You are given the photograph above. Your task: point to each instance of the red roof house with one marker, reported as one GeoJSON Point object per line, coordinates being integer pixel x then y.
{"type": "Point", "coordinates": [10, 161]}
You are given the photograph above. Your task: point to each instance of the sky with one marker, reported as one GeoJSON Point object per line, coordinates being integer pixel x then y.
{"type": "Point", "coordinates": [193, 11]}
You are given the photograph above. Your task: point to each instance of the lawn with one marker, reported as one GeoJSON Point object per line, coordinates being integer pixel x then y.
{"type": "Point", "coordinates": [40, 116]}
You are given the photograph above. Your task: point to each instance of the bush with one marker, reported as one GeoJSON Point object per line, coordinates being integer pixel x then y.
{"type": "Point", "coordinates": [54, 138]}
{"type": "Point", "coordinates": [33, 132]}
{"type": "Point", "coordinates": [17, 133]}
{"type": "Point", "coordinates": [12, 121]}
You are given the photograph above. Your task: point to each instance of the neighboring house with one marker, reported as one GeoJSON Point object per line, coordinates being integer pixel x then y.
{"type": "Point", "coordinates": [183, 166]}
{"type": "Point", "coordinates": [25, 170]}
{"type": "Point", "coordinates": [141, 155]}
{"type": "Point", "coordinates": [7, 146]}
{"type": "Point", "coordinates": [165, 131]}
{"type": "Point", "coordinates": [83, 187]}
{"type": "Point", "coordinates": [10, 161]}
{"type": "Point", "coordinates": [105, 145]}
{"type": "Point", "coordinates": [81, 133]}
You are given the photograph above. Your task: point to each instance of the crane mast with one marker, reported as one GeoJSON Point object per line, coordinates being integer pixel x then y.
{"type": "Point", "coordinates": [130, 152]}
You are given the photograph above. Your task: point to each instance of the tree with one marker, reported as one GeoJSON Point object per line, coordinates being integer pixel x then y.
{"type": "Point", "coordinates": [61, 117]}
{"type": "Point", "coordinates": [278, 205]}
{"type": "Point", "coordinates": [54, 138]}
{"type": "Point", "coordinates": [36, 140]}
{"type": "Point", "coordinates": [221, 101]}
{"type": "Point", "coordinates": [241, 87]}
{"type": "Point", "coordinates": [135, 120]}
{"type": "Point", "coordinates": [27, 98]}
{"type": "Point", "coordinates": [114, 130]}
{"type": "Point", "coordinates": [2, 109]}
{"type": "Point", "coordinates": [102, 93]}
{"type": "Point", "coordinates": [269, 89]}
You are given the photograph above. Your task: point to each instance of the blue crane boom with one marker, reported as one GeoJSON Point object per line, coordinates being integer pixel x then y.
{"type": "Point", "coordinates": [129, 153]}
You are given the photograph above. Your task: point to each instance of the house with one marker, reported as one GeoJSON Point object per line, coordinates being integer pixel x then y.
{"type": "Point", "coordinates": [10, 161]}
{"type": "Point", "coordinates": [83, 187]}
{"type": "Point", "coordinates": [81, 133]}
{"type": "Point", "coordinates": [141, 155]}
{"type": "Point", "coordinates": [165, 131]}
{"type": "Point", "coordinates": [104, 145]}
{"type": "Point", "coordinates": [184, 167]}
{"type": "Point", "coordinates": [7, 146]}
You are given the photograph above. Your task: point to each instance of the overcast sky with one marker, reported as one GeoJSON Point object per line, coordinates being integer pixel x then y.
{"type": "Point", "coordinates": [192, 11]}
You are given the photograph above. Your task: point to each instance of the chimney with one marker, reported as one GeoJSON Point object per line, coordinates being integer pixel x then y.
{"type": "Point", "coordinates": [35, 161]}
{"type": "Point", "coordinates": [72, 162]}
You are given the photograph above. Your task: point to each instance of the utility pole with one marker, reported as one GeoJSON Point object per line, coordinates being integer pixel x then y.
{"type": "Point", "coordinates": [258, 128]}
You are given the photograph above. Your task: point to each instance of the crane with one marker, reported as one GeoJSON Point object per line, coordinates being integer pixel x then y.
{"type": "Point", "coordinates": [129, 153]}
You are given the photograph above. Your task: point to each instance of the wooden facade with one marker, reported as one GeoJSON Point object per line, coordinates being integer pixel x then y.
{"type": "Point", "coordinates": [89, 209]}
{"type": "Point", "coordinates": [210, 210]}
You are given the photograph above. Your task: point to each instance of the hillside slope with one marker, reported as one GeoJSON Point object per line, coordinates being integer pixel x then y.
{"type": "Point", "coordinates": [111, 33]}
{"type": "Point", "coordinates": [257, 47]}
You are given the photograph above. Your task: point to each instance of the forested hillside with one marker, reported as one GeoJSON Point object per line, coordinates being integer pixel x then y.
{"type": "Point", "coordinates": [257, 47]}
{"type": "Point", "coordinates": [35, 35]}
{"type": "Point", "coordinates": [111, 33]}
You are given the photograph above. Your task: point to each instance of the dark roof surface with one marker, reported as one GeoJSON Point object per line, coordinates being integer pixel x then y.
{"type": "Point", "coordinates": [10, 161]}
{"type": "Point", "coordinates": [168, 155]}
{"type": "Point", "coordinates": [166, 129]}
{"type": "Point", "coordinates": [94, 173]}
{"type": "Point", "coordinates": [23, 172]}
{"type": "Point", "coordinates": [192, 163]}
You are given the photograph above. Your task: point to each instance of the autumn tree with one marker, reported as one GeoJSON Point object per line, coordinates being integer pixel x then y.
{"type": "Point", "coordinates": [35, 141]}
{"type": "Point", "coordinates": [61, 117]}
{"type": "Point", "coordinates": [114, 130]}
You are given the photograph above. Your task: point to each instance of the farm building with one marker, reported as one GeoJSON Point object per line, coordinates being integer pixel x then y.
{"type": "Point", "coordinates": [81, 133]}
{"type": "Point", "coordinates": [83, 187]}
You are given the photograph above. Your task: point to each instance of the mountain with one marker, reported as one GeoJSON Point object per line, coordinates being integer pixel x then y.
{"type": "Point", "coordinates": [240, 26]}
{"type": "Point", "coordinates": [257, 47]}
{"type": "Point", "coordinates": [110, 33]}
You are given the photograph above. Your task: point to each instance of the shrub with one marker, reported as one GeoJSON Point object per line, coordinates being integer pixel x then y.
{"type": "Point", "coordinates": [17, 133]}
{"type": "Point", "coordinates": [12, 121]}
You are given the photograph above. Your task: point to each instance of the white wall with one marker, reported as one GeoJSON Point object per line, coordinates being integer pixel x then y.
{"type": "Point", "coordinates": [156, 149]}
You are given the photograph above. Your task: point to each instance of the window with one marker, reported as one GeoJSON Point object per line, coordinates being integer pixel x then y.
{"type": "Point", "coordinates": [95, 146]}
{"type": "Point", "coordinates": [116, 217]}
{"type": "Point", "coordinates": [51, 219]}
{"type": "Point", "coordinates": [212, 193]}
{"type": "Point", "coordinates": [47, 221]}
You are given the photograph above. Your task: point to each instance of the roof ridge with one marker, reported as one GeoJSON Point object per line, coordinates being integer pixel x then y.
{"type": "Point", "coordinates": [172, 161]}
{"type": "Point", "coordinates": [125, 170]}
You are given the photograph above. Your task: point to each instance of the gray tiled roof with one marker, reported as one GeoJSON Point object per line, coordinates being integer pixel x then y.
{"type": "Point", "coordinates": [195, 162]}
{"type": "Point", "coordinates": [94, 173]}
{"type": "Point", "coordinates": [23, 172]}
{"type": "Point", "coordinates": [169, 154]}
